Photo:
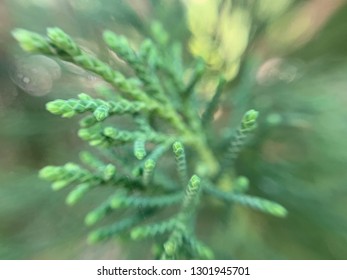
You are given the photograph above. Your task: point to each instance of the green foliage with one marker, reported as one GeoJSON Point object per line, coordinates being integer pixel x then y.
{"type": "Point", "coordinates": [100, 109]}
{"type": "Point", "coordinates": [163, 108]}
{"type": "Point", "coordinates": [181, 162]}
{"type": "Point", "coordinates": [248, 124]}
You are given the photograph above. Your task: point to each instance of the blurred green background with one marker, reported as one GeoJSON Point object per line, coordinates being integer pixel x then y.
{"type": "Point", "coordinates": [298, 156]}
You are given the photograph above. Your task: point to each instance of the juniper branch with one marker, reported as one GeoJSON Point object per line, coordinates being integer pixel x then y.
{"type": "Point", "coordinates": [180, 162]}
{"type": "Point", "coordinates": [100, 109]}
{"type": "Point", "coordinates": [236, 144]}
{"type": "Point", "coordinates": [256, 203]}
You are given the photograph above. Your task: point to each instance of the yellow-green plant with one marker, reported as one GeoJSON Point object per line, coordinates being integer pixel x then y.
{"type": "Point", "coordinates": [170, 124]}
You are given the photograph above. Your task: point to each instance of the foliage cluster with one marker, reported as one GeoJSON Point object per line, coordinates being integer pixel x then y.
{"type": "Point", "coordinates": [167, 122]}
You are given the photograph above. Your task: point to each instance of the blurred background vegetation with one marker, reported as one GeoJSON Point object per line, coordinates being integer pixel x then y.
{"type": "Point", "coordinates": [294, 72]}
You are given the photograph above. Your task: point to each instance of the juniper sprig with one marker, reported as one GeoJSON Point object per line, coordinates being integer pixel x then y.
{"type": "Point", "coordinates": [166, 129]}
